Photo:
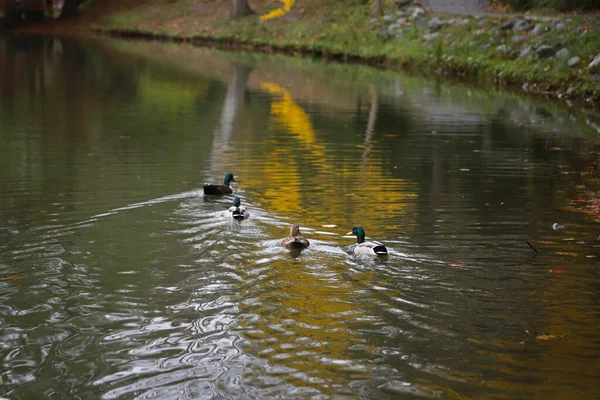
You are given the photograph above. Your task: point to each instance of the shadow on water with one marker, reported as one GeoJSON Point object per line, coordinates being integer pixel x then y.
{"type": "Point", "coordinates": [119, 279]}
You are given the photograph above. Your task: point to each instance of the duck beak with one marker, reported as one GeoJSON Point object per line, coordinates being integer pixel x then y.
{"type": "Point", "coordinates": [350, 233]}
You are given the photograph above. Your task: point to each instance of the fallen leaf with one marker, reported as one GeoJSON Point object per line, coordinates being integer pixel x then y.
{"type": "Point", "coordinates": [185, 182]}
{"type": "Point", "coordinates": [550, 337]}
{"type": "Point", "coordinates": [13, 278]}
{"type": "Point", "coordinates": [457, 264]}
{"type": "Point", "coordinates": [557, 271]}
{"type": "Point", "coordinates": [465, 169]}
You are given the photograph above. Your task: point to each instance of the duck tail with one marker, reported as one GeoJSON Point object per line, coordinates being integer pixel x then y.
{"type": "Point", "coordinates": [380, 250]}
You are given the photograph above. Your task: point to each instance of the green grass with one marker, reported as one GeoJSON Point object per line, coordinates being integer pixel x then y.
{"type": "Point", "coordinates": [342, 28]}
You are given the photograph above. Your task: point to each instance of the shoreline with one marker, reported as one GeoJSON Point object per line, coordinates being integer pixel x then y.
{"type": "Point", "coordinates": [502, 51]}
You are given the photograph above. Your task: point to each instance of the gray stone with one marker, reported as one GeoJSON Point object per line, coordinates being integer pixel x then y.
{"type": "Point", "coordinates": [374, 20]}
{"type": "Point", "coordinates": [478, 32]}
{"type": "Point", "coordinates": [525, 87]}
{"type": "Point", "coordinates": [434, 23]}
{"type": "Point", "coordinates": [538, 29]}
{"type": "Point", "coordinates": [418, 12]}
{"type": "Point", "coordinates": [464, 21]}
{"type": "Point", "coordinates": [562, 54]}
{"type": "Point", "coordinates": [596, 25]}
{"type": "Point", "coordinates": [447, 36]}
{"type": "Point", "coordinates": [419, 20]}
{"type": "Point", "coordinates": [431, 36]}
{"type": "Point", "coordinates": [388, 18]}
{"type": "Point", "coordinates": [595, 77]}
{"type": "Point", "coordinates": [573, 61]}
{"type": "Point", "coordinates": [401, 21]}
{"type": "Point", "coordinates": [559, 27]}
{"type": "Point", "coordinates": [525, 52]}
{"type": "Point", "coordinates": [451, 21]}
{"type": "Point", "coordinates": [507, 26]}
{"type": "Point", "coordinates": [570, 90]}
{"type": "Point", "coordinates": [484, 47]}
{"type": "Point", "coordinates": [518, 39]}
{"type": "Point", "coordinates": [522, 25]}
{"type": "Point", "coordinates": [502, 49]}
{"type": "Point", "coordinates": [399, 35]}
{"type": "Point", "coordinates": [401, 13]}
{"type": "Point", "coordinates": [482, 19]}
{"type": "Point", "coordinates": [595, 65]}
{"type": "Point", "coordinates": [544, 51]}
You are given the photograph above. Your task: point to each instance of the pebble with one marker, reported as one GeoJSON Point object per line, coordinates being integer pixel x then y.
{"type": "Point", "coordinates": [573, 61]}
{"type": "Point", "coordinates": [431, 36]}
{"type": "Point", "coordinates": [562, 54]}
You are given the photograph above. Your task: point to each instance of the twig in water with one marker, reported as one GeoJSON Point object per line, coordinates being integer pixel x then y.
{"type": "Point", "coordinates": [532, 248]}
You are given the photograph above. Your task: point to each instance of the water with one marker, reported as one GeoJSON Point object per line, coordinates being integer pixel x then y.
{"type": "Point", "coordinates": [120, 280]}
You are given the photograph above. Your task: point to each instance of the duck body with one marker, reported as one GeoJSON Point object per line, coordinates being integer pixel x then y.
{"type": "Point", "coordinates": [366, 248]}
{"type": "Point", "coordinates": [237, 211]}
{"type": "Point", "coordinates": [295, 241]}
{"type": "Point", "coordinates": [210, 188]}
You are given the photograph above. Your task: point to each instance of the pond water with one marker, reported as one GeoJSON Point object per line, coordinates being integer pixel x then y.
{"type": "Point", "coordinates": [119, 279]}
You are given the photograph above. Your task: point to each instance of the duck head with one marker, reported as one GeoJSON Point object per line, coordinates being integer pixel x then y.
{"type": "Point", "coordinates": [237, 202]}
{"type": "Point", "coordinates": [359, 232]}
{"type": "Point", "coordinates": [228, 179]}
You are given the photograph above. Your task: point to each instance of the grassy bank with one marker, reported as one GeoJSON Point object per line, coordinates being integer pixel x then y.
{"type": "Point", "coordinates": [481, 49]}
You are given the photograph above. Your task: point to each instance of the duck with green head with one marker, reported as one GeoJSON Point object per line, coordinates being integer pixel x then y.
{"type": "Point", "coordinates": [295, 241]}
{"type": "Point", "coordinates": [237, 211]}
{"type": "Point", "coordinates": [369, 248]}
{"type": "Point", "coordinates": [220, 189]}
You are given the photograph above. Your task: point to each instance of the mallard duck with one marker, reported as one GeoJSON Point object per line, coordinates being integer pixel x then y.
{"type": "Point", "coordinates": [220, 189]}
{"type": "Point", "coordinates": [295, 241]}
{"type": "Point", "coordinates": [362, 247]}
{"type": "Point", "coordinates": [236, 211]}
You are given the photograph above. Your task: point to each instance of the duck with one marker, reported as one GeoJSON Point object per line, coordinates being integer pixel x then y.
{"type": "Point", "coordinates": [236, 211]}
{"type": "Point", "coordinates": [220, 189]}
{"type": "Point", "coordinates": [295, 241]}
{"type": "Point", "coordinates": [369, 248]}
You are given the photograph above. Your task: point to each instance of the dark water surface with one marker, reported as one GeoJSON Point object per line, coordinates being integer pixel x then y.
{"type": "Point", "coordinates": [118, 279]}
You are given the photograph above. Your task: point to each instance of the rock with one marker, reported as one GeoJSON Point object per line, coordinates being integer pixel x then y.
{"type": "Point", "coordinates": [401, 21]}
{"type": "Point", "coordinates": [573, 61]}
{"type": "Point", "coordinates": [595, 65]}
{"type": "Point", "coordinates": [595, 77]}
{"type": "Point", "coordinates": [464, 21]}
{"type": "Point", "coordinates": [401, 13]}
{"type": "Point", "coordinates": [484, 47]}
{"type": "Point", "coordinates": [374, 21]}
{"type": "Point", "coordinates": [522, 25]}
{"type": "Point", "coordinates": [525, 52]}
{"type": "Point", "coordinates": [482, 19]}
{"type": "Point", "coordinates": [451, 21]}
{"type": "Point", "coordinates": [434, 23]}
{"type": "Point", "coordinates": [518, 39]}
{"type": "Point", "coordinates": [399, 35]}
{"type": "Point", "coordinates": [419, 20]}
{"type": "Point", "coordinates": [559, 27]}
{"type": "Point", "coordinates": [525, 87]}
{"type": "Point", "coordinates": [447, 36]}
{"type": "Point", "coordinates": [570, 90]}
{"type": "Point", "coordinates": [418, 12]}
{"type": "Point", "coordinates": [538, 29]}
{"type": "Point", "coordinates": [431, 36]}
{"type": "Point", "coordinates": [507, 26]}
{"type": "Point", "coordinates": [544, 51]}
{"type": "Point", "coordinates": [478, 32]}
{"type": "Point", "coordinates": [388, 18]}
{"type": "Point", "coordinates": [562, 54]}
{"type": "Point", "coordinates": [596, 25]}
{"type": "Point", "coordinates": [502, 49]}
{"type": "Point", "coordinates": [392, 28]}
